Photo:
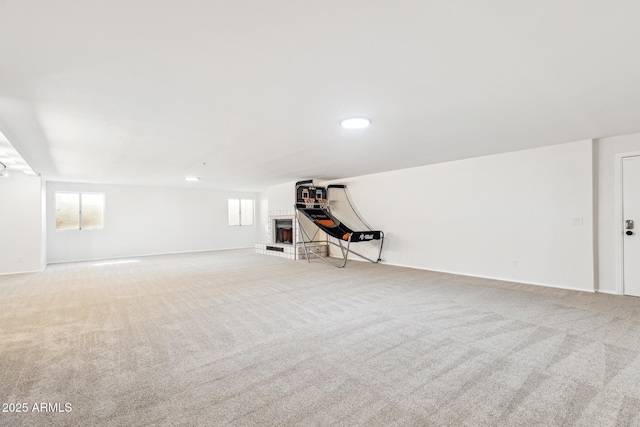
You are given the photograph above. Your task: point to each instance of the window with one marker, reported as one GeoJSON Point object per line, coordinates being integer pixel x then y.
{"type": "Point", "coordinates": [240, 212]}
{"type": "Point", "coordinates": [79, 211]}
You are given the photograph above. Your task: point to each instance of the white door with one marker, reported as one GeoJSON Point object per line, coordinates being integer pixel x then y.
{"type": "Point", "coordinates": [631, 212]}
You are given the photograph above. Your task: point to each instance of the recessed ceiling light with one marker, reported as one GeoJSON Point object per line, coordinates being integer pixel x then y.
{"type": "Point", "coordinates": [355, 123]}
{"type": "Point", "coordinates": [191, 178]}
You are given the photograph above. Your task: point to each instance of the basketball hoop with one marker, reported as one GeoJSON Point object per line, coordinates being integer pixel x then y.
{"type": "Point", "coordinates": [324, 203]}
{"type": "Point", "coordinates": [309, 203]}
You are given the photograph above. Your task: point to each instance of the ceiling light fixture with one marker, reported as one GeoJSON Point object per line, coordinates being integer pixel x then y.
{"type": "Point", "coordinates": [355, 123]}
{"type": "Point", "coordinates": [191, 178]}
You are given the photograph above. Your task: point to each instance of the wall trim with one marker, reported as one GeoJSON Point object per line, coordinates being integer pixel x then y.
{"type": "Point", "coordinates": [148, 255]}
{"type": "Point", "coordinates": [23, 272]}
{"type": "Point", "coordinates": [609, 293]}
{"type": "Point", "coordinates": [498, 279]}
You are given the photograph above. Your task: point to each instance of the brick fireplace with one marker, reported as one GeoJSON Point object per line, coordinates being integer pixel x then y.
{"type": "Point", "coordinates": [284, 240]}
{"type": "Point", "coordinates": [282, 229]}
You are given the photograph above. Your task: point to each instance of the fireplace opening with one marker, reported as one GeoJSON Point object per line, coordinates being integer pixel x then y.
{"type": "Point", "coordinates": [283, 231]}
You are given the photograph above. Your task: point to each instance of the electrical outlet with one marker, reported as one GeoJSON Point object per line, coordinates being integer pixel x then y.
{"type": "Point", "coordinates": [20, 259]}
{"type": "Point", "coordinates": [514, 264]}
{"type": "Point", "coordinates": [578, 221]}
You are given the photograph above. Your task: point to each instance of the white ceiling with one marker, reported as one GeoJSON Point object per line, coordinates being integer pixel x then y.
{"type": "Point", "coordinates": [145, 92]}
{"type": "Point", "coordinates": [10, 159]}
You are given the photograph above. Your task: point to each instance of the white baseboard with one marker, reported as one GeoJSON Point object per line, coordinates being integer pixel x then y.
{"type": "Point", "coordinates": [607, 292]}
{"type": "Point", "coordinates": [145, 255]}
{"type": "Point", "coordinates": [500, 279]}
{"type": "Point", "coordinates": [23, 272]}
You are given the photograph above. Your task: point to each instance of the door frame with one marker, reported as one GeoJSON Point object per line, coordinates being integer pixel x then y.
{"type": "Point", "coordinates": [619, 218]}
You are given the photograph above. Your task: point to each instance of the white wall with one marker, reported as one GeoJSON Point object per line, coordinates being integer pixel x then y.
{"type": "Point", "coordinates": [21, 224]}
{"type": "Point", "coordinates": [262, 219]}
{"type": "Point", "coordinates": [607, 149]}
{"type": "Point", "coordinates": [282, 197]}
{"type": "Point", "coordinates": [149, 220]}
{"type": "Point", "coordinates": [43, 224]}
{"type": "Point", "coordinates": [479, 216]}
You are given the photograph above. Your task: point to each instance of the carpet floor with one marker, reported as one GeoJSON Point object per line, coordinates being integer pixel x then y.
{"type": "Point", "coordinates": [232, 338]}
